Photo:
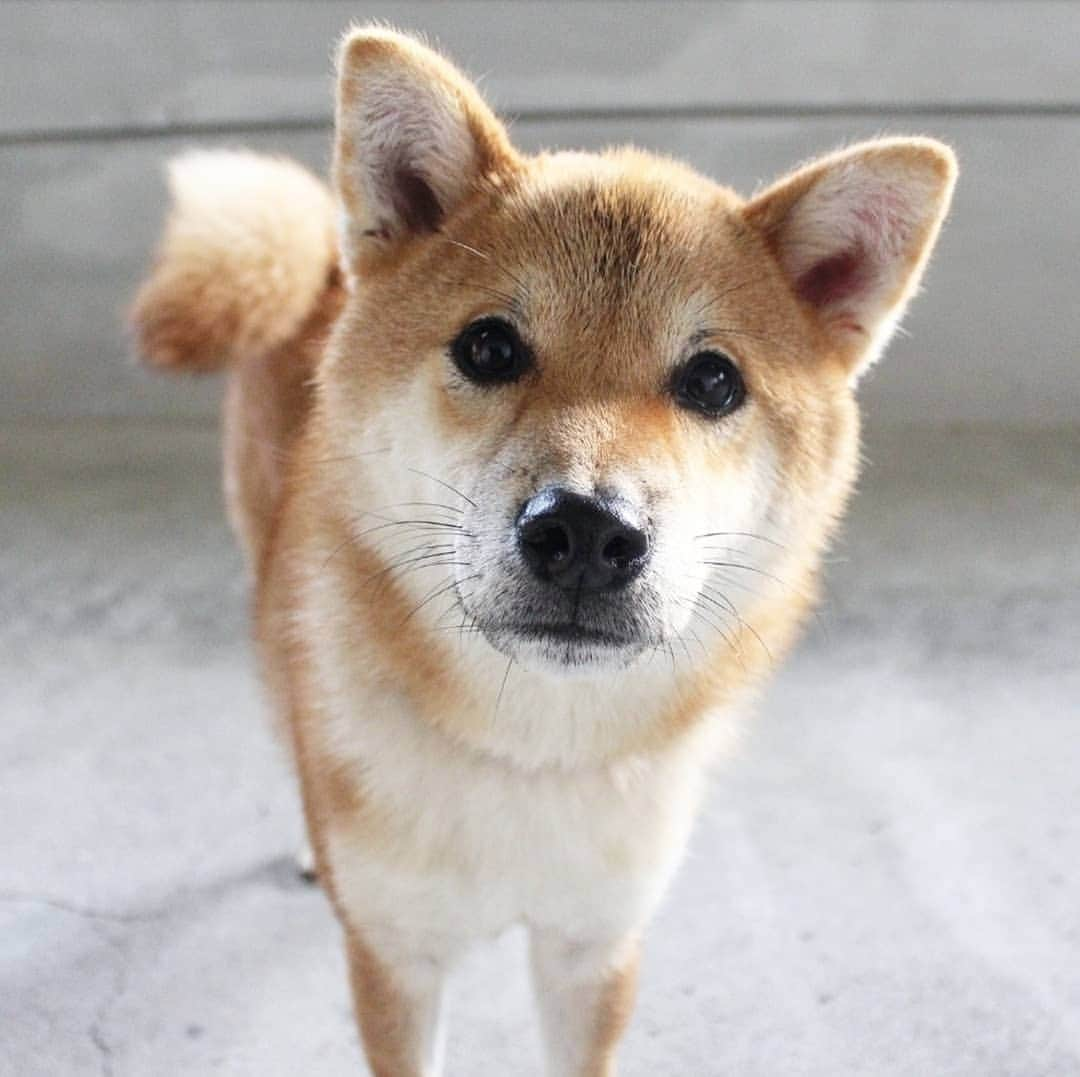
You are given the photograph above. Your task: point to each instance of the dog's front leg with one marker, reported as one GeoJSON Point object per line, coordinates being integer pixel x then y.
{"type": "Point", "coordinates": [585, 992]}
{"type": "Point", "coordinates": [398, 996]}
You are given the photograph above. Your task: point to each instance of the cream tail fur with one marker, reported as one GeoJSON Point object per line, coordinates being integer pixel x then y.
{"type": "Point", "coordinates": [247, 248]}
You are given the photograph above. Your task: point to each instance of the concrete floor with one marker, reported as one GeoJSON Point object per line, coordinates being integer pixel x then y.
{"type": "Point", "coordinates": [886, 881]}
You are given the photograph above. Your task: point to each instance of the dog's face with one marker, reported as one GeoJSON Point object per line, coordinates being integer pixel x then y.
{"type": "Point", "coordinates": [615, 398]}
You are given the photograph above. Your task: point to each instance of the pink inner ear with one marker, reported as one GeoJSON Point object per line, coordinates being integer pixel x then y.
{"type": "Point", "coordinates": [876, 224]}
{"type": "Point", "coordinates": [835, 278]}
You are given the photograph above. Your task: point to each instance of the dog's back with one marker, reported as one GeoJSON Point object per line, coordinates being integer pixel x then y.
{"type": "Point", "coordinates": [246, 277]}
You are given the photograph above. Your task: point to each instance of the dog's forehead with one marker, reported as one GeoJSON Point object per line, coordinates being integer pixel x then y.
{"type": "Point", "coordinates": [619, 249]}
{"type": "Point", "coordinates": [608, 226]}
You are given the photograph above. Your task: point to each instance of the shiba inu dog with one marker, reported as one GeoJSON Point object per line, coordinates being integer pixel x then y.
{"type": "Point", "coordinates": [533, 459]}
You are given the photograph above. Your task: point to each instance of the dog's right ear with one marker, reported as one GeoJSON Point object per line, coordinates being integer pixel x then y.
{"type": "Point", "coordinates": [413, 140]}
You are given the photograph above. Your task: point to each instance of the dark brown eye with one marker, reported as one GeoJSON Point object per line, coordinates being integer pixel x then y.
{"type": "Point", "coordinates": [710, 383]}
{"type": "Point", "coordinates": [490, 352]}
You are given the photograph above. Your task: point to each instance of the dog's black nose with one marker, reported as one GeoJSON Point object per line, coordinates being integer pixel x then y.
{"type": "Point", "coordinates": [582, 542]}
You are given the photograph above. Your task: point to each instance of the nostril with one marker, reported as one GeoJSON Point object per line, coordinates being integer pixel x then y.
{"type": "Point", "coordinates": [617, 552]}
{"type": "Point", "coordinates": [550, 542]}
{"type": "Point", "coordinates": [623, 549]}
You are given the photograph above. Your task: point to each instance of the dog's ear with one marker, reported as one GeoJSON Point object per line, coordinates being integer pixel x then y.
{"type": "Point", "coordinates": [413, 140]}
{"type": "Point", "coordinates": [853, 232]}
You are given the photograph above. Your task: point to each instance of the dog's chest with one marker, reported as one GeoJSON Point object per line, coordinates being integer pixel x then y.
{"type": "Point", "coordinates": [444, 837]}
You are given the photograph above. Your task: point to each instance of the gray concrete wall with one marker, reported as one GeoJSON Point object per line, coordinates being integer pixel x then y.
{"type": "Point", "coordinates": [94, 96]}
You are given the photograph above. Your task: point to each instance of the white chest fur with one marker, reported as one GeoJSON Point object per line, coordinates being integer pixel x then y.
{"type": "Point", "coordinates": [467, 844]}
{"type": "Point", "coordinates": [448, 838]}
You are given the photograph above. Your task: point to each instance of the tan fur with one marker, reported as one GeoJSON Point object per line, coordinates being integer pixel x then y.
{"type": "Point", "coordinates": [615, 1004]}
{"type": "Point", "coordinates": [447, 790]}
{"type": "Point", "coordinates": [267, 400]}
{"type": "Point", "coordinates": [382, 1012]}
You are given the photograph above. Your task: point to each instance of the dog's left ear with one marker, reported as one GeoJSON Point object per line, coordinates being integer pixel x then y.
{"type": "Point", "coordinates": [413, 141]}
{"type": "Point", "coordinates": [853, 232]}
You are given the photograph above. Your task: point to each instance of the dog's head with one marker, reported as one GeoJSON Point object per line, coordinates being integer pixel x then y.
{"type": "Point", "coordinates": [599, 400]}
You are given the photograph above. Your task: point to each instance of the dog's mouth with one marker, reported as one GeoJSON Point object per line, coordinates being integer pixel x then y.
{"type": "Point", "coordinates": [550, 629]}
{"type": "Point", "coordinates": [565, 644]}
{"type": "Point", "coordinates": [572, 632]}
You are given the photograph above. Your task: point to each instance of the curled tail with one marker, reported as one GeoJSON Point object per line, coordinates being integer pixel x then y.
{"type": "Point", "coordinates": [246, 275]}
{"type": "Point", "coordinates": [248, 250]}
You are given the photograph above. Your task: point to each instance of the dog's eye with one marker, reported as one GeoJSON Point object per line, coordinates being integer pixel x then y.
{"type": "Point", "coordinates": [490, 352]}
{"type": "Point", "coordinates": [710, 382]}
